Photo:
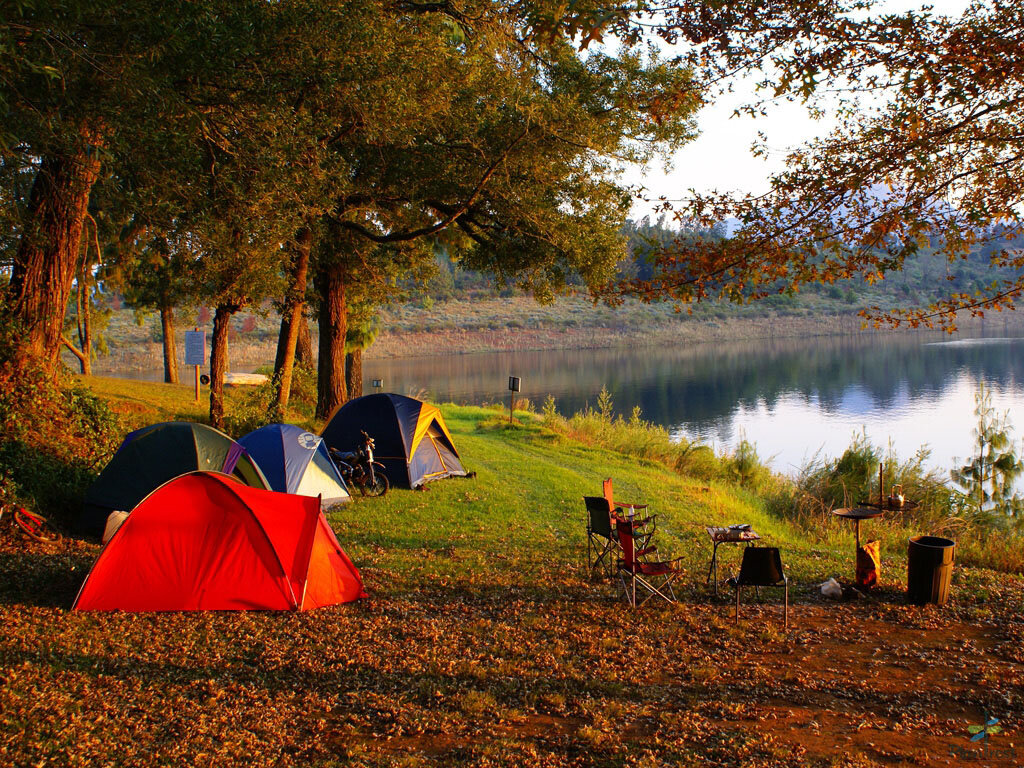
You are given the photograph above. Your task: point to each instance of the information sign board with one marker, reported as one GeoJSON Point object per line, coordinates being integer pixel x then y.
{"type": "Point", "coordinates": [195, 348]}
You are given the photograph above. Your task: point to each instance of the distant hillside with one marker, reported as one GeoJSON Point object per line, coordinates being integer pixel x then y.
{"type": "Point", "coordinates": [462, 311]}
{"type": "Point", "coordinates": [925, 277]}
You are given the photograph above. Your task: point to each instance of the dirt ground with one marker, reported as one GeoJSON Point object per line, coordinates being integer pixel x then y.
{"type": "Point", "coordinates": [898, 686]}
{"type": "Point", "coordinates": [525, 667]}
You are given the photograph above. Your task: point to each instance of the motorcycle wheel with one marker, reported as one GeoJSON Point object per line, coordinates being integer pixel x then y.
{"type": "Point", "coordinates": [380, 487]}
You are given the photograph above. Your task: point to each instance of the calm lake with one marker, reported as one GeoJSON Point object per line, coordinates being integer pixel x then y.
{"type": "Point", "coordinates": [792, 398]}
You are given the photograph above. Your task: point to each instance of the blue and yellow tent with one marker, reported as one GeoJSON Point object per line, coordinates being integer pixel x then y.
{"type": "Point", "coordinates": [296, 461]}
{"type": "Point", "coordinates": [412, 441]}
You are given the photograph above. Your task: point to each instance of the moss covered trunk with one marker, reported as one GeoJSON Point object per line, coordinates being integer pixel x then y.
{"type": "Point", "coordinates": [48, 252]}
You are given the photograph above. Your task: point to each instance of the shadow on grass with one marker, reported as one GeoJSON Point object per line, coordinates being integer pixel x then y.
{"type": "Point", "coordinates": [54, 486]}
{"type": "Point", "coordinates": [46, 580]}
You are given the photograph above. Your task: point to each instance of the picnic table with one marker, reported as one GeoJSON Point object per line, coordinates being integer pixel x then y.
{"type": "Point", "coordinates": [729, 534]}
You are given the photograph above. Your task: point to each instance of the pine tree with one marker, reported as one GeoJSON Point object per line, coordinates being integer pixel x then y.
{"type": "Point", "coordinates": [988, 478]}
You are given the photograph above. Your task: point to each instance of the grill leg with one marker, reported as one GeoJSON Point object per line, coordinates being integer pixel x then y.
{"type": "Point", "coordinates": [715, 558]}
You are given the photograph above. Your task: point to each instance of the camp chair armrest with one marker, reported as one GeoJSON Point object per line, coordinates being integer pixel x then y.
{"type": "Point", "coordinates": [637, 522]}
{"type": "Point", "coordinates": [630, 506]}
{"type": "Point", "coordinates": [645, 551]}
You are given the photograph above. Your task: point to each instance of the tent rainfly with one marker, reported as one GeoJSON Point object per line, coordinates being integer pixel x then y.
{"type": "Point", "coordinates": [296, 461]}
{"type": "Point", "coordinates": [206, 542]}
{"type": "Point", "coordinates": [151, 456]}
{"type": "Point", "coordinates": [411, 439]}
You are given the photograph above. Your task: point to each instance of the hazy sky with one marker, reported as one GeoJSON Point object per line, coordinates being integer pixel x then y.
{"type": "Point", "coordinates": [720, 157]}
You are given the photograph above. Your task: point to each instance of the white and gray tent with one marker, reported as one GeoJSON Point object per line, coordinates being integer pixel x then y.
{"type": "Point", "coordinates": [296, 461]}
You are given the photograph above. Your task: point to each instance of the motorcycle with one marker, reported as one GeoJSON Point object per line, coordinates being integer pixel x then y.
{"type": "Point", "coordinates": [357, 468]}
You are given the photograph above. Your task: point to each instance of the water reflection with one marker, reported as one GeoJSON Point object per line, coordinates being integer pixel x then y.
{"type": "Point", "coordinates": [791, 397]}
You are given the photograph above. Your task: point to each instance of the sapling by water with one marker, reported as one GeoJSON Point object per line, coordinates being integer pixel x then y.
{"type": "Point", "coordinates": [988, 478]}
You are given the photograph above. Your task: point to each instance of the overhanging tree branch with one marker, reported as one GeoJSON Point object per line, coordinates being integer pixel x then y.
{"type": "Point", "coordinates": [398, 237]}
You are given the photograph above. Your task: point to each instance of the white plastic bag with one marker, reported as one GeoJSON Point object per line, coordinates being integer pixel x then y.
{"type": "Point", "coordinates": [832, 589]}
{"type": "Point", "coordinates": [114, 520]}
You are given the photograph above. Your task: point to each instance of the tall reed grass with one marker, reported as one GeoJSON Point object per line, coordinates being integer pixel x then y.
{"type": "Point", "coordinates": [819, 487]}
{"type": "Point", "coordinates": [633, 436]}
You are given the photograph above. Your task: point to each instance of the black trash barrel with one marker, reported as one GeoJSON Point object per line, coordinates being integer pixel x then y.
{"type": "Point", "coordinates": [929, 569]}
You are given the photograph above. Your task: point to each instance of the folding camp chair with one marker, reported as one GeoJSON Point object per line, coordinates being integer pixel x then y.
{"type": "Point", "coordinates": [622, 510]}
{"type": "Point", "coordinates": [600, 538]}
{"type": "Point", "coordinates": [761, 567]}
{"type": "Point", "coordinates": [634, 571]}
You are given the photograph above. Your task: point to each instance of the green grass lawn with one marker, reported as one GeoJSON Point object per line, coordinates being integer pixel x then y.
{"type": "Point", "coordinates": [141, 403]}
{"type": "Point", "coordinates": [486, 642]}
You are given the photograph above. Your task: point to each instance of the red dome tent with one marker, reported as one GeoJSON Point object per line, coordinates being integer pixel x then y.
{"type": "Point", "coordinates": [205, 541]}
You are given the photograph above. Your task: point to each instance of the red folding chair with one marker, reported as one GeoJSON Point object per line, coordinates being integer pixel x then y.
{"type": "Point", "coordinates": [655, 578]}
{"type": "Point", "coordinates": [622, 510]}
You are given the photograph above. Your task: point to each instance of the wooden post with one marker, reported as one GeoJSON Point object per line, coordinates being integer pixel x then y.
{"type": "Point", "coordinates": [513, 387]}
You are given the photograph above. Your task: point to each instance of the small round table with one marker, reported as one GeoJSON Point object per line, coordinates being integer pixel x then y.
{"type": "Point", "coordinates": [857, 514]}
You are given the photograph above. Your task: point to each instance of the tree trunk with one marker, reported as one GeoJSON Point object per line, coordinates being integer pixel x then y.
{"type": "Point", "coordinates": [304, 344]}
{"type": "Point", "coordinates": [303, 339]}
{"type": "Point", "coordinates": [219, 361]}
{"type": "Point", "coordinates": [290, 321]}
{"type": "Point", "coordinates": [170, 343]}
{"type": "Point", "coordinates": [86, 337]}
{"type": "Point", "coordinates": [82, 300]}
{"type": "Point", "coordinates": [74, 351]}
{"type": "Point", "coordinates": [354, 372]}
{"type": "Point", "coordinates": [282, 339]}
{"type": "Point", "coordinates": [47, 256]}
{"type": "Point", "coordinates": [330, 284]}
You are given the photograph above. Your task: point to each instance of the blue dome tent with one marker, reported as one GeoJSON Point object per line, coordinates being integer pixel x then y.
{"type": "Point", "coordinates": [296, 461]}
